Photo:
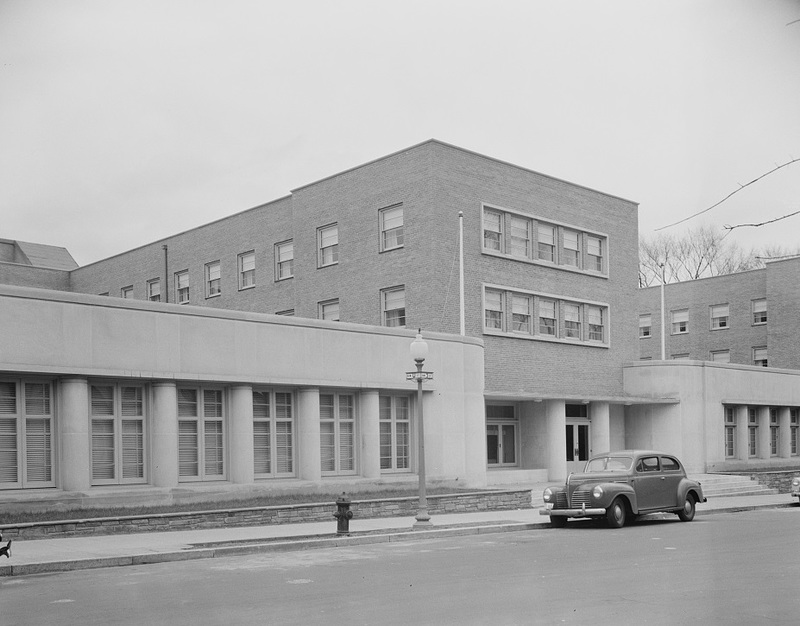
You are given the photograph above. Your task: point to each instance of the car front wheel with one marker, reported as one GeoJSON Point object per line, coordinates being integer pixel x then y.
{"type": "Point", "coordinates": [616, 513]}
{"type": "Point", "coordinates": [687, 512]}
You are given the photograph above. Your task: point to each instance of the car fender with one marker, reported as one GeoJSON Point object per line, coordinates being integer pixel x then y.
{"type": "Point", "coordinates": [614, 490]}
{"type": "Point", "coordinates": [687, 486]}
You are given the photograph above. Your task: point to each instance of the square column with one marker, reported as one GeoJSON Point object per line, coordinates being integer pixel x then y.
{"type": "Point", "coordinates": [555, 418]}
{"type": "Point", "coordinates": [785, 432]}
{"type": "Point", "coordinates": [76, 454]}
{"type": "Point", "coordinates": [742, 434]}
{"type": "Point", "coordinates": [763, 434]}
{"type": "Point", "coordinates": [600, 414]}
{"type": "Point", "coordinates": [308, 434]}
{"type": "Point", "coordinates": [240, 449]}
{"type": "Point", "coordinates": [369, 416]}
{"type": "Point", "coordinates": [164, 459]}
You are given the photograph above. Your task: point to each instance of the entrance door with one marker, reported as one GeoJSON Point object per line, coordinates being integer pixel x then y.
{"type": "Point", "coordinates": [577, 445]}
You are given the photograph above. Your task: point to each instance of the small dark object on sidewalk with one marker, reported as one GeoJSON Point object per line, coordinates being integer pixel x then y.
{"type": "Point", "coordinates": [6, 549]}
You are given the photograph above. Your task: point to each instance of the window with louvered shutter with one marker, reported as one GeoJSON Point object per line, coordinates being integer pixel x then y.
{"type": "Point", "coordinates": [337, 433]}
{"type": "Point", "coordinates": [262, 451]}
{"type": "Point", "coordinates": [37, 399]}
{"type": "Point", "coordinates": [188, 453]}
{"type": "Point", "coordinates": [347, 433]}
{"type": "Point", "coordinates": [284, 434]}
{"type": "Point", "coordinates": [9, 446]}
{"type": "Point", "coordinates": [201, 434]}
{"type": "Point", "coordinates": [214, 452]}
{"type": "Point", "coordinates": [103, 467]}
{"type": "Point", "coordinates": [38, 451]}
{"type": "Point", "coordinates": [395, 433]}
{"type": "Point", "coordinates": [132, 449]}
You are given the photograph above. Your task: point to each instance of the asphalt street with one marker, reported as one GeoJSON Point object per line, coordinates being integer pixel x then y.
{"type": "Point", "coordinates": [739, 568]}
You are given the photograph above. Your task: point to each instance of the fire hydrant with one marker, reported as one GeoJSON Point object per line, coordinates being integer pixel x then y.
{"type": "Point", "coordinates": [343, 515]}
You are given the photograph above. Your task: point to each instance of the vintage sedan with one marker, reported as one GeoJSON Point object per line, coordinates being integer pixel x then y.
{"type": "Point", "coordinates": [623, 485]}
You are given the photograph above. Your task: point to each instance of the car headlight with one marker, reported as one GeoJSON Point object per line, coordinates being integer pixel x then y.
{"type": "Point", "coordinates": [795, 481]}
{"type": "Point", "coordinates": [547, 495]}
{"type": "Point", "coordinates": [597, 492]}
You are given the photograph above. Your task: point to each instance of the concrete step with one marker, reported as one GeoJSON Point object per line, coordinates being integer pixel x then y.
{"type": "Point", "coordinates": [721, 485]}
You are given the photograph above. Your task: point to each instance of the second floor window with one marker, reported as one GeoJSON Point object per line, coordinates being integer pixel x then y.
{"type": "Point", "coordinates": [520, 237]}
{"type": "Point", "coordinates": [492, 230]}
{"type": "Point", "coordinates": [547, 317]}
{"type": "Point", "coordinates": [594, 316]}
{"type": "Point", "coordinates": [391, 220]}
{"type": "Point", "coordinates": [493, 311]}
{"type": "Point", "coordinates": [760, 311]}
{"type": "Point", "coordinates": [182, 287]}
{"type": "Point", "coordinates": [329, 310]}
{"type": "Point", "coordinates": [572, 321]}
{"type": "Point", "coordinates": [328, 242]}
{"type": "Point", "coordinates": [719, 316]}
{"type": "Point", "coordinates": [393, 305]}
{"type": "Point", "coordinates": [645, 325]}
{"type": "Point", "coordinates": [154, 290]}
{"type": "Point", "coordinates": [247, 270]}
{"type": "Point", "coordinates": [760, 356]}
{"type": "Point", "coordinates": [572, 250]}
{"type": "Point", "coordinates": [127, 292]}
{"type": "Point", "coordinates": [284, 260]}
{"type": "Point", "coordinates": [594, 253]}
{"type": "Point", "coordinates": [546, 245]}
{"type": "Point", "coordinates": [680, 321]}
{"type": "Point", "coordinates": [213, 287]}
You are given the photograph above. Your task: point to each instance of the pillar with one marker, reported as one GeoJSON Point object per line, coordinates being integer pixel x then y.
{"type": "Point", "coordinates": [785, 432]}
{"type": "Point", "coordinates": [308, 434]}
{"type": "Point", "coordinates": [240, 427]}
{"type": "Point", "coordinates": [369, 413]}
{"type": "Point", "coordinates": [600, 414]}
{"type": "Point", "coordinates": [555, 417]}
{"type": "Point", "coordinates": [742, 430]}
{"type": "Point", "coordinates": [763, 432]}
{"type": "Point", "coordinates": [165, 435]}
{"type": "Point", "coordinates": [76, 455]}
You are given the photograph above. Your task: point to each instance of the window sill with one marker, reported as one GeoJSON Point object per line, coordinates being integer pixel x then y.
{"type": "Point", "coordinates": [549, 264]}
{"type": "Point", "coordinates": [546, 338]}
{"type": "Point", "coordinates": [246, 288]}
{"type": "Point", "coordinates": [391, 249]}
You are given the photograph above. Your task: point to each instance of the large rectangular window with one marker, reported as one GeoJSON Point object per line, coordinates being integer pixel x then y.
{"type": "Point", "coordinates": [182, 287]}
{"type": "Point", "coordinates": [393, 306]}
{"type": "Point", "coordinates": [547, 317]}
{"type": "Point", "coordinates": [273, 434]}
{"type": "Point", "coordinates": [201, 434]}
{"type": "Point", "coordinates": [213, 286]}
{"type": "Point", "coordinates": [247, 270]}
{"type": "Point", "coordinates": [546, 242]}
{"type": "Point", "coordinates": [118, 433]}
{"type": "Point", "coordinates": [752, 432]}
{"type": "Point", "coordinates": [594, 253]}
{"type": "Point", "coordinates": [774, 432]}
{"type": "Point", "coordinates": [337, 433]}
{"type": "Point", "coordinates": [645, 325]}
{"type": "Point", "coordinates": [395, 434]}
{"type": "Point", "coordinates": [391, 225]}
{"type": "Point", "coordinates": [493, 310]}
{"type": "Point", "coordinates": [521, 313]}
{"type": "Point", "coordinates": [760, 311]}
{"type": "Point", "coordinates": [492, 230]}
{"type": "Point", "coordinates": [719, 316]}
{"type": "Point", "coordinates": [284, 260]}
{"type": "Point", "coordinates": [572, 248]}
{"type": "Point", "coordinates": [520, 237]}
{"type": "Point", "coordinates": [26, 434]}
{"type": "Point", "coordinates": [572, 321]}
{"type": "Point", "coordinates": [680, 321]}
{"type": "Point", "coordinates": [594, 317]}
{"type": "Point", "coordinates": [328, 244]}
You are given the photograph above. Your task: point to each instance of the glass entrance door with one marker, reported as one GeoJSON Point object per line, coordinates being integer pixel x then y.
{"type": "Point", "coordinates": [577, 445]}
{"type": "Point", "coordinates": [501, 444]}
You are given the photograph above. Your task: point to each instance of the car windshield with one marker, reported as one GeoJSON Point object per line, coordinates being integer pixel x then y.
{"type": "Point", "coordinates": [609, 464]}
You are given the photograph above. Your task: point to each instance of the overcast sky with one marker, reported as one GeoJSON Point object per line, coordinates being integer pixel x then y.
{"type": "Point", "coordinates": [125, 121]}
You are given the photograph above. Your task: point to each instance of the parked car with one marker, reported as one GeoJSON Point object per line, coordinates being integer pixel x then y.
{"type": "Point", "coordinates": [796, 487]}
{"type": "Point", "coordinates": [623, 485]}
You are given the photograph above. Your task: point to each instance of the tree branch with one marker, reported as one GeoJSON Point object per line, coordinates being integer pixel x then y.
{"type": "Point", "coordinates": [728, 227]}
{"type": "Point", "coordinates": [686, 219]}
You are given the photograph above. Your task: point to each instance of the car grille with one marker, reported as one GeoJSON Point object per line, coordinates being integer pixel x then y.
{"type": "Point", "coordinates": [561, 500]}
{"type": "Point", "coordinates": [580, 498]}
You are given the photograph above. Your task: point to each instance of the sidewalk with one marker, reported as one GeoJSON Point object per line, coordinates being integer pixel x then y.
{"type": "Point", "coordinates": [58, 555]}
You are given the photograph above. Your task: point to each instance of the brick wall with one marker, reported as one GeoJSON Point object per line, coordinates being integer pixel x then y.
{"type": "Point", "coordinates": [257, 516]}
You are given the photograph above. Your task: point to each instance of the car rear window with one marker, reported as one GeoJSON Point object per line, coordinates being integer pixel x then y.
{"type": "Point", "coordinates": [669, 465]}
{"type": "Point", "coordinates": [609, 464]}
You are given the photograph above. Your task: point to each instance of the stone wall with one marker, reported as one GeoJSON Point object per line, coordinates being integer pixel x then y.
{"type": "Point", "coordinates": [782, 481]}
{"type": "Point", "coordinates": [319, 512]}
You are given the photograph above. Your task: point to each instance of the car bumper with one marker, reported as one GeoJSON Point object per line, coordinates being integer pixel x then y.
{"type": "Point", "coordinates": [581, 512]}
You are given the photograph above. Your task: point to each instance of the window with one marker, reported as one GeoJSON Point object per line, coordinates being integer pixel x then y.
{"type": "Point", "coordinates": [721, 356]}
{"type": "Point", "coordinates": [201, 434]}
{"type": "Point", "coordinates": [328, 243]}
{"type": "Point", "coordinates": [284, 260]}
{"type": "Point", "coordinates": [594, 253]}
{"type": "Point", "coordinates": [127, 292]}
{"type": "Point", "coordinates": [760, 311]}
{"type": "Point", "coordinates": [547, 317]}
{"type": "Point", "coordinates": [521, 313]}
{"type": "Point", "coordinates": [730, 432]}
{"type": "Point", "coordinates": [182, 287]}
{"type": "Point", "coordinates": [329, 310]}
{"type": "Point", "coordinates": [337, 426]}
{"type": "Point", "coordinates": [493, 307]}
{"type": "Point", "coordinates": [774, 432]}
{"type": "Point", "coordinates": [247, 270]}
{"type": "Point", "coordinates": [752, 432]}
{"type": "Point", "coordinates": [154, 290]}
{"type": "Point", "coordinates": [501, 429]}
{"type": "Point", "coordinates": [680, 357]}
{"type": "Point", "coordinates": [212, 279]}
{"type": "Point", "coordinates": [492, 230]}
{"type": "Point", "coordinates": [572, 250]}
{"type": "Point", "coordinates": [287, 313]}
{"type": "Point", "coordinates": [760, 356]}
{"type": "Point", "coordinates": [395, 434]}
{"type": "Point", "coordinates": [391, 224]}
{"type": "Point", "coordinates": [118, 435]}
{"type": "Point", "coordinates": [794, 422]}
{"type": "Point", "coordinates": [572, 321]}
{"type": "Point", "coordinates": [26, 434]}
{"type": "Point", "coordinates": [546, 245]}
{"type": "Point", "coordinates": [520, 237]}
{"type": "Point", "coordinates": [594, 317]}
{"type": "Point", "coordinates": [645, 325]}
{"type": "Point", "coordinates": [273, 434]}
{"type": "Point", "coordinates": [719, 316]}
{"type": "Point", "coordinates": [680, 321]}
{"type": "Point", "coordinates": [393, 306]}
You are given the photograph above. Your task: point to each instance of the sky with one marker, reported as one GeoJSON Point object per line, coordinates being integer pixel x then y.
{"type": "Point", "coordinates": [126, 121]}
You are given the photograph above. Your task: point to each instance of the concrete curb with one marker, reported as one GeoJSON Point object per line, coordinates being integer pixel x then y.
{"type": "Point", "coordinates": [264, 546]}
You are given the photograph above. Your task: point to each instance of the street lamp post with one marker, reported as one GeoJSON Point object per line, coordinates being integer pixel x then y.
{"type": "Point", "coordinates": [419, 350]}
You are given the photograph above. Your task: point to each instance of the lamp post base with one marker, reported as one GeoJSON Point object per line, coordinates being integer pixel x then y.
{"type": "Point", "coordinates": [423, 521]}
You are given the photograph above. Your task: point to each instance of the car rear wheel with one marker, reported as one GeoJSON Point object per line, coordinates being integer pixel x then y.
{"type": "Point", "coordinates": [557, 521]}
{"type": "Point", "coordinates": [687, 512]}
{"type": "Point", "coordinates": [616, 513]}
